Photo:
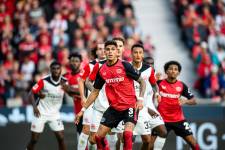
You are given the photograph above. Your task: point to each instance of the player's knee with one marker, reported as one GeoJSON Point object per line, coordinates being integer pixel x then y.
{"type": "Point", "coordinates": [163, 133]}
{"type": "Point", "coordinates": [92, 140]}
{"type": "Point", "coordinates": [146, 139]}
{"type": "Point", "coordinates": [86, 129]}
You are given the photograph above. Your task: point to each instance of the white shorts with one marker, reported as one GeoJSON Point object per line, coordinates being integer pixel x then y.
{"type": "Point", "coordinates": [146, 123]}
{"type": "Point", "coordinates": [96, 119]}
{"type": "Point", "coordinates": [119, 128]}
{"type": "Point", "coordinates": [54, 122]}
{"type": "Point", "coordinates": [87, 117]}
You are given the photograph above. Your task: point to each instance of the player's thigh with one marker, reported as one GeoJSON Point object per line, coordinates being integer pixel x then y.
{"type": "Point", "coordinates": [56, 124]}
{"type": "Point", "coordinates": [59, 135]}
{"type": "Point", "coordinates": [87, 117]}
{"type": "Point", "coordinates": [96, 119]}
{"type": "Point", "coordinates": [92, 137]}
{"type": "Point", "coordinates": [182, 128]}
{"type": "Point", "coordinates": [38, 124]}
{"type": "Point", "coordinates": [129, 118]}
{"type": "Point", "coordinates": [146, 138]}
{"type": "Point", "coordinates": [143, 125]}
{"type": "Point", "coordinates": [119, 129]}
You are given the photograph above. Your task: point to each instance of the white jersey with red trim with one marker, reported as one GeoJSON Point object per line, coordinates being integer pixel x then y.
{"type": "Point", "coordinates": [51, 104]}
{"type": "Point", "coordinates": [147, 73]}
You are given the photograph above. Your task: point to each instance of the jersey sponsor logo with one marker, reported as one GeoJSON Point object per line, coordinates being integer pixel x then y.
{"type": "Point", "coordinates": [178, 89]}
{"type": "Point", "coordinates": [169, 95]}
{"type": "Point", "coordinates": [104, 73]}
{"type": "Point", "coordinates": [115, 80]}
{"type": "Point", "coordinates": [35, 87]}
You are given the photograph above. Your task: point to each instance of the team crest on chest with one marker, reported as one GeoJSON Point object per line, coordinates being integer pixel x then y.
{"type": "Point", "coordinates": [178, 89]}
{"type": "Point", "coordinates": [118, 70]}
{"type": "Point", "coordinates": [163, 87]}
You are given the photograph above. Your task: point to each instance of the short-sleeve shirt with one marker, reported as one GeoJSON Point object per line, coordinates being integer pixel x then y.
{"type": "Point", "coordinates": [169, 106]}
{"type": "Point", "coordinates": [119, 79]}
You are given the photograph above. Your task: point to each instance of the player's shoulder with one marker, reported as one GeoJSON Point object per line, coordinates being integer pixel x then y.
{"type": "Point", "coordinates": [145, 67]}
{"type": "Point", "coordinates": [63, 79]}
{"type": "Point", "coordinates": [102, 61]}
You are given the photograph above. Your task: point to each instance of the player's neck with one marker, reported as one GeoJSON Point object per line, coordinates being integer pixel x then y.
{"type": "Point", "coordinates": [56, 79]}
{"type": "Point", "coordinates": [171, 80]}
{"type": "Point", "coordinates": [136, 65]}
{"type": "Point", "coordinates": [75, 71]}
{"type": "Point", "coordinates": [111, 62]}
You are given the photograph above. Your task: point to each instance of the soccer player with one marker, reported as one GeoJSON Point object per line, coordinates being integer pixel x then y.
{"type": "Point", "coordinates": [50, 91]}
{"type": "Point", "coordinates": [87, 117]}
{"type": "Point", "coordinates": [147, 122]}
{"type": "Point", "coordinates": [72, 77]}
{"type": "Point", "coordinates": [171, 90]}
{"type": "Point", "coordinates": [118, 78]}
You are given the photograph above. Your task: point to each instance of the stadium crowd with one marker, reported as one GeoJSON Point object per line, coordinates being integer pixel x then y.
{"type": "Point", "coordinates": [34, 32]}
{"type": "Point", "coordinates": [203, 31]}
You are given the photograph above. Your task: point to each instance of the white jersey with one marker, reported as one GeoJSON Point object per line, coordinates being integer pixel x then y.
{"type": "Point", "coordinates": [51, 104]}
{"type": "Point", "coordinates": [101, 103]}
{"type": "Point", "coordinates": [147, 73]}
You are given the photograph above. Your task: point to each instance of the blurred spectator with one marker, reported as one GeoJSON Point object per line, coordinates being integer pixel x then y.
{"type": "Point", "coordinates": [203, 26]}
{"type": "Point", "coordinates": [35, 32]}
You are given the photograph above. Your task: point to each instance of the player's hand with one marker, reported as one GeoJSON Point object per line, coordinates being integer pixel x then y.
{"type": "Point", "coordinates": [41, 95]}
{"type": "Point", "coordinates": [36, 112]}
{"type": "Point", "coordinates": [182, 101]}
{"type": "Point", "coordinates": [78, 117]}
{"type": "Point", "coordinates": [65, 86]}
{"type": "Point", "coordinates": [153, 113]}
{"type": "Point", "coordinates": [139, 105]}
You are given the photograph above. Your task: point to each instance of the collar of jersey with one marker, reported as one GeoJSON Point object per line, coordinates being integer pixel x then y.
{"type": "Point", "coordinates": [112, 64]}
{"type": "Point", "coordinates": [55, 82]}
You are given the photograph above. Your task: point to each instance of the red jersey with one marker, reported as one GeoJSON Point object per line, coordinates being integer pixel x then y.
{"type": "Point", "coordinates": [119, 79]}
{"type": "Point", "coordinates": [87, 69]}
{"type": "Point", "coordinates": [94, 72]}
{"type": "Point", "coordinates": [73, 82]}
{"type": "Point", "coordinates": [169, 106]}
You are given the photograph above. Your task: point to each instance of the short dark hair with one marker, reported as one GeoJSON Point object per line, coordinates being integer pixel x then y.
{"type": "Point", "coordinates": [137, 45]}
{"type": "Point", "coordinates": [172, 62]}
{"type": "Point", "coordinates": [55, 63]}
{"type": "Point", "coordinates": [110, 42]}
{"type": "Point", "coordinates": [75, 54]}
{"type": "Point", "coordinates": [93, 52]}
{"type": "Point", "coordinates": [119, 39]}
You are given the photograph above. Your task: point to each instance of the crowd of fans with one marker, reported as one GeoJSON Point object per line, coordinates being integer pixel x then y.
{"type": "Point", "coordinates": [203, 31]}
{"type": "Point", "coordinates": [34, 32]}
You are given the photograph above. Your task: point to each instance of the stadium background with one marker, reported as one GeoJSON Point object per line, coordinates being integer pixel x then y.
{"type": "Point", "coordinates": [33, 32]}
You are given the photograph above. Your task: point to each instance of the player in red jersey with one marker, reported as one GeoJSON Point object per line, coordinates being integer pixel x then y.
{"type": "Point", "coordinates": [119, 78]}
{"type": "Point", "coordinates": [172, 92]}
{"type": "Point", "coordinates": [87, 117]}
{"type": "Point", "coordinates": [72, 77]}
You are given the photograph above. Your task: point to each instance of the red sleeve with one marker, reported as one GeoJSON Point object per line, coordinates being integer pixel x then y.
{"type": "Point", "coordinates": [94, 72]}
{"type": "Point", "coordinates": [38, 86]}
{"type": "Point", "coordinates": [152, 79]}
{"type": "Point", "coordinates": [86, 72]}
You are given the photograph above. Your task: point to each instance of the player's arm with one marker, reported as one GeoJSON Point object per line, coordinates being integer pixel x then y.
{"type": "Point", "coordinates": [92, 77]}
{"type": "Point", "coordinates": [187, 94]}
{"type": "Point", "coordinates": [69, 89]}
{"type": "Point", "coordinates": [36, 89]}
{"type": "Point", "coordinates": [130, 72]}
{"type": "Point", "coordinates": [89, 84]}
{"type": "Point", "coordinates": [154, 85]}
{"type": "Point", "coordinates": [99, 82]}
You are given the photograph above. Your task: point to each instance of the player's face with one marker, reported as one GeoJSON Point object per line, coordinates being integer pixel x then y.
{"type": "Point", "coordinates": [137, 54]}
{"type": "Point", "coordinates": [120, 47]}
{"type": "Point", "coordinates": [56, 71]}
{"type": "Point", "coordinates": [172, 72]}
{"type": "Point", "coordinates": [111, 52]}
{"type": "Point", "coordinates": [100, 51]}
{"type": "Point", "coordinates": [150, 62]}
{"type": "Point", "coordinates": [75, 63]}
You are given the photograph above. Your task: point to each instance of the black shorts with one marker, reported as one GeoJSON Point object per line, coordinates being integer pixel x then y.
{"type": "Point", "coordinates": [111, 117]}
{"type": "Point", "coordinates": [180, 128]}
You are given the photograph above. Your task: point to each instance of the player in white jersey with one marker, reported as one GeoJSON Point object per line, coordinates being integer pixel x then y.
{"type": "Point", "coordinates": [87, 117]}
{"type": "Point", "coordinates": [149, 118]}
{"type": "Point", "coordinates": [50, 91]}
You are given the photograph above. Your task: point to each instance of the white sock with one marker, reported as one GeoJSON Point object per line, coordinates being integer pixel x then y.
{"type": "Point", "coordinates": [159, 143]}
{"type": "Point", "coordinates": [82, 142]}
{"type": "Point", "coordinates": [92, 146]}
{"type": "Point", "coordinates": [121, 146]}
{"type": "Point", "coordinates": [112, 141]}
